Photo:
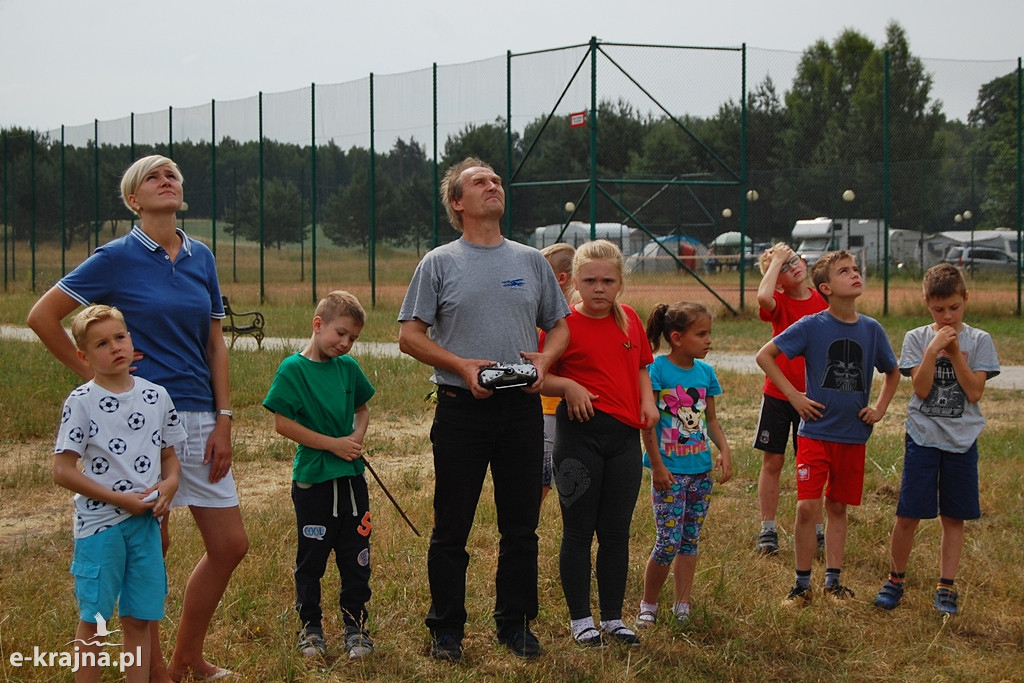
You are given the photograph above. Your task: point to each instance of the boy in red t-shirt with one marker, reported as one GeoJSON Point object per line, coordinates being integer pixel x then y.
{"type": "Point", "coordinates": [783, 298]}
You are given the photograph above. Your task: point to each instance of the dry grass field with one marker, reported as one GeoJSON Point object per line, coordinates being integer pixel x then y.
{"type": "Point", "coordinates": [739, 631]}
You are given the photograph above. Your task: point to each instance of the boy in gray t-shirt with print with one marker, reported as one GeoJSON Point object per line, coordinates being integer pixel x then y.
{"type": "Point", "coordinates": [949, 363]}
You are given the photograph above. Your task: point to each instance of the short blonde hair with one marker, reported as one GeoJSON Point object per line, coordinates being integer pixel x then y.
{"type": "Point", "coordinates": [560, 256]}
{"type": "Point", "coordinates": [603, 250]}
{"type": "Point", "coordinates": [451, 187]}
{"type": "Point", "coordinates": [339, 303]}
{"type": "Point", "coordinates": [90, 315]}
{"type": "Point", "coordinates": [137, 172]}
{"type": "Point", "coordinates": [765, 259]}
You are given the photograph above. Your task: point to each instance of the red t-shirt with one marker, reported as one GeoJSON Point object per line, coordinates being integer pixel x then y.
{"type": "Point", "coordinates": [787, 311]}
{"type": "Point", "coordinates": [607, 362]}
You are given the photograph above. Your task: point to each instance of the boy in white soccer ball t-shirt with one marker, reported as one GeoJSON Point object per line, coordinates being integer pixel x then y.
{"type": "Point", "coordinates": [120, 427]}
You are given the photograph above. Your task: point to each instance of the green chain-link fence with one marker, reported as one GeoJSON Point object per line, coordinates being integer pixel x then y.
{"type": "Point", "coordinates": [680, 153]}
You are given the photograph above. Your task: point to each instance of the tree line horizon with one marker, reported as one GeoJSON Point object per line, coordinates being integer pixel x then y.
{"type": "Point", "coordinates": [804, 148]}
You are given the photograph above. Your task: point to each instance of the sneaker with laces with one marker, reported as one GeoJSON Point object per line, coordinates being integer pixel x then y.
{"type": "Point", "coordinates": [446, 647]}
{"type": "Point", "coordinates": [889, 595]}
{"type": "Point", "coordinates": [768, 542]}
{"type": "Point", "coordinates": [838, 592]}
{"type": "Point", "coordinates": [357, 642]}
{"type": "Point", "coordinates": [945, 600]}
{"type": "Point", "coordinates": [312, 644]}
{"type": "Point", "coordinates": [521, 642]}
{"type": "Point", "coordinates": [798, 597]}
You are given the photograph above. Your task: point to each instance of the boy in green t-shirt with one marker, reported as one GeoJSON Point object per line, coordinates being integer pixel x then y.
{"type": "Point", "coordinates": [319, 398]}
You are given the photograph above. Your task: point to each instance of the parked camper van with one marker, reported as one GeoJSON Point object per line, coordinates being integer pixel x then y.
{"type": "Point", "coordinates": [628, 239]}
{"type": "Point", "coordinates": [863, 237]}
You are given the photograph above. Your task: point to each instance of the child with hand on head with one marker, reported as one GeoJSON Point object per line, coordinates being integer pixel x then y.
{"type": "Point", "coordinates": [121, 428]}
{"type": "Point", "coordinates": [319, 398]}
{"type": "Point", "coordinates": [602, 375]}
{"type": "Point", "coordinates": [949, 362]}
{"type": "Point", "coordinates": [841, 348]}
{"type": "Point", "coordinates": [783, 297]}
{"type": "Point", "coordinates": [559, 257]}
{"type": "Point", "coordinates": [678, 450]}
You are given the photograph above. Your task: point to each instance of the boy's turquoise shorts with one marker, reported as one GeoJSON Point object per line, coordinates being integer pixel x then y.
{"type": "Point", "coordinates": [122, 565]}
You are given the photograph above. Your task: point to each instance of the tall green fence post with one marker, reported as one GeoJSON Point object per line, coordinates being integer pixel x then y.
{"type": "Point", "coordinates": [437, 187]}
{"type": "Point", "coordinates": [213, 176]}
{"type": "Point", "coordinates": [1020, 174]}
{"type": "Point", "coordinates": [6, 214]}
{"type": "Point", "coordinates": [263, 293]}
{"type": "Point", "coordinates": [508, 143]}
{"type": "Point", "coordinates": [886, 182]}
{"type": "Point", "coordinates": [63, 205]}
{"type": "Point", "coordinates": [593, 137]}
{"type": "Point", "coordinates": [32, 206]}
{"type": "Point", "coordinates": [743, 175]}
{"type": "Point", "coordinates": [312, 184]}
{"type": "Point", "coordinates": [96, 180]}
{"type": "Point", "coordinates": [373, 204]}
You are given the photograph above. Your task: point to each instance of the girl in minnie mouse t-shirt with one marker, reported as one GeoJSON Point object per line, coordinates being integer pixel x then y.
{"type": "Point", "coordinates": [678, 451]}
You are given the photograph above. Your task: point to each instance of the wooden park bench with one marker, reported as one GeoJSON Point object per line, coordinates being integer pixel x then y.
{"type": "Point", "coordinates": [247, 324]}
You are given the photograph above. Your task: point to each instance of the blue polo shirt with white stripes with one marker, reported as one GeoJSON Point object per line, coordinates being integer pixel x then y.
{"type": "Point", "coordinates": [167, 306]}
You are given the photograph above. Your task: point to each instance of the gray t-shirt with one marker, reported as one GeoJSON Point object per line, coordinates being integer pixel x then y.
{"type": "Point", "coordinates": [946, 419]}
{"type": "Point", "coordinates": [483, 302]}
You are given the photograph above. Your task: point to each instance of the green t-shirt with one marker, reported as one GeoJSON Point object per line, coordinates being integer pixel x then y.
{"type": "Point", "coordinates": [322, 397]}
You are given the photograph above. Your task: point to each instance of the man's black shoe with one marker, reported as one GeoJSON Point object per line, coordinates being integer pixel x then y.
{"type": "Point", "coordinates": [521, 642]}
{"type": "Point", "coordinates": [446, 647]}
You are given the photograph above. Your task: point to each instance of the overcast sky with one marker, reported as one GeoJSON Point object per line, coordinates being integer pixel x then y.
{"type": "Point", "coordinates": [72, 61]}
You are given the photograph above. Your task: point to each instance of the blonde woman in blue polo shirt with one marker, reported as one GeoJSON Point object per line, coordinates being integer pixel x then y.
{"type": "Point", "coordinates": [166, 285]}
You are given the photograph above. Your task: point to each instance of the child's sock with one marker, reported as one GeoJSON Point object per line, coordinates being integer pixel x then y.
{"type": "Point", "coordinates": [897, 579]}
{"type": "Point", "coordinates": [945, 583]}
{"type": "Point", "coordinates": [681, 610]}
{"type": "Point", "coordinates": [831, 576]}
{"type": "Point", "coordinates": [649, 607]}
{"type": "Point", "coordinates": [803, 578]}
{"type": "Point", "coordinates": [768, 525]}
{"type": "Point", "coordinates": [612, 625]}
{"type": "Point", "coordinates": [581, 625]}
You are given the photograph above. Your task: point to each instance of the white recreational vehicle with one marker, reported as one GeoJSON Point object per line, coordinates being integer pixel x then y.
{"type": "Point", "coordinates": [863, 237]}
{"type": "Point", "coordinates": [628, 239]}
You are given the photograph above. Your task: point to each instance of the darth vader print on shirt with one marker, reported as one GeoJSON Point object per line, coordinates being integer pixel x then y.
{"type": "Point", "coordinates": [946, 399]}
{"type": "Point", "coordinates": [845, 368]}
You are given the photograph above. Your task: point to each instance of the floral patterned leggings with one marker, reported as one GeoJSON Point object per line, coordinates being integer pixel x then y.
{"type": "Point", "coordinates": [679, 515]}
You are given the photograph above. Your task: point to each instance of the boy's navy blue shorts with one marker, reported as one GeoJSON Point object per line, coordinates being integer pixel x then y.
{"type": "Point", "coordinates": [939, 482]}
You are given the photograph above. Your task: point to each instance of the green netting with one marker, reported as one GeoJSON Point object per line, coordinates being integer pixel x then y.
{"type": "Point", "coordinates": [678, 146]}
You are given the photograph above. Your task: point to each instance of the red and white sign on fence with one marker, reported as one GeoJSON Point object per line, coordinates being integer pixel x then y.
{"type": "Point", "coordinates": [578, 119]}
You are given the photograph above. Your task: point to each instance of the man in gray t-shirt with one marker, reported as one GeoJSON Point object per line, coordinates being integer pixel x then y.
{"type": "Point", "coordinates": [472, 303]}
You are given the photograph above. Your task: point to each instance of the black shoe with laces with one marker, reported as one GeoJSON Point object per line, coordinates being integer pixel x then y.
{"type": "Point", "coordinates": [521, 642]}
{"type": "Point", "coordinates": [446, 647]}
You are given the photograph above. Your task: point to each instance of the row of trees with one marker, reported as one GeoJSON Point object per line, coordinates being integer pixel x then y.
{"type": "Point", "coordinates": [669, 173]}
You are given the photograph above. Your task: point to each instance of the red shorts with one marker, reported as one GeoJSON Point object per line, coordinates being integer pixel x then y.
{"type": "Point", "coordinates": [829, 466]}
